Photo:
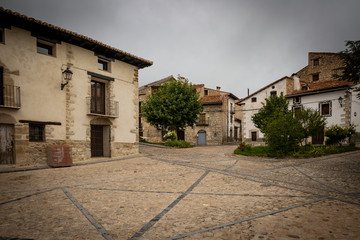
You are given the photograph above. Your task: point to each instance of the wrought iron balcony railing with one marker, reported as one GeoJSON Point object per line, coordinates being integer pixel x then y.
{"type": "Point", "coordinates": [10, 96]}
{"type": "Point", "coordinates": [102, 107]}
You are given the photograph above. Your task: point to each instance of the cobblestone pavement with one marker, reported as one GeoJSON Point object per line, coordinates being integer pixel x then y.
{"type": "Point", "coordinates": [197, 193]}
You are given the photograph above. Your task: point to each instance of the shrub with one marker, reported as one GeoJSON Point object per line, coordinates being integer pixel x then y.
{"type": "Point", "coordinates": [244, 147]}
{"type": "Point", "coordinates": [143, 140]}
{"type": "Point", "coordinates": [336, 134]}
{"type": "Point", "coordinates": [178, 144]}
{"type": "Point", "coordinates": [170, 136]}
{"type": "Point", "coordinates": [283, 135]}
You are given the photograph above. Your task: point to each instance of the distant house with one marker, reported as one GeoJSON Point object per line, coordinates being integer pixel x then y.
{"type": "Point", "coordinates": [251, 104]}
{"type": "Point", "coordinates": [216, 124]}
{"type": "Point", "coordinates": [94, 110]}
{"type": "Point", "coordinates": [316, 88]}
{"type": "Point", "coordinates": [311, 87]}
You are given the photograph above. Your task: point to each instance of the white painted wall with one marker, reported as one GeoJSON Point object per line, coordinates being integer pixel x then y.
{"type": "Point", "coordinates": [312, 101]}
{"type": "Point", "coordinates": [251, 108]}
{"type": "Point", "coordinates": [355, 109]}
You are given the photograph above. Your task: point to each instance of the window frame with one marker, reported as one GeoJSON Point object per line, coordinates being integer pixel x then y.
{"type": "Point", "coordinates": [315, 77]}
{"type": "Point", "coordinates": [46, 45]}
{"type": "Point", "coordinates": [272, 93]}
{"type": "Point", "coordinates": [297, 101]}
{"type": "Point", "coordinates": [2, 35]}
{"type": "Point", "coordinates": [106, 66]}
{"type": "Point", "coordinates": [321, 104]}
{"type": "Point", "coordinates": [253, 99]}
{"type": "Point", "coordinates": [36, 132]}
{"type": "Point", "coordinates": [253, 136]}
{"type": "Point", "coordinates": [316, 61]}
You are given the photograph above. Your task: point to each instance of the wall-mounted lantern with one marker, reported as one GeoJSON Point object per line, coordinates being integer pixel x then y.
{"type": "Point", "coordinates": [67, 75]}
{"type": "Point", "coordinates": [341, 99]}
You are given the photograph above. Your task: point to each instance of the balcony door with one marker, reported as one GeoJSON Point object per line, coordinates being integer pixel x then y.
{"type": "Point", "coordinates": [97, 97]}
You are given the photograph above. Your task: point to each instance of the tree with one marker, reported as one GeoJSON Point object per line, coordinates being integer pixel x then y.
{"type": "Point", "coordinates": [174, 106]}
{"type": "Point", "coordinates": [311, 122]}
{"type": "Point", "coordinates": [351, 69]}
{"type": "Point", "coordinates": [336, 134]}
{"type": "Point", "coordinates": [271, 109]}
{"type": "Point", "coordinates": [283, 134]}
{"type": "Point", "coordinates": [282, 131]}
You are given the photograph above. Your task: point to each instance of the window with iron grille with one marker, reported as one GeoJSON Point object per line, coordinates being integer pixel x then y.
{"type": "Point", "coordinates": [36, 132]}
{"type": "Point", "coordinates": [253, 99]}
{"type": "Point", "coordinates": [315, 77]}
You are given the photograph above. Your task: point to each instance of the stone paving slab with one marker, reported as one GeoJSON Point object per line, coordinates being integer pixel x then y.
{"type": "Point", "coordinates": [321, 220]}
{"type": "Point", "coordinates": [198, 193]}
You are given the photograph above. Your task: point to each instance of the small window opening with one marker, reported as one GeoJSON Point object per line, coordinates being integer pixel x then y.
{"type": "Point", "coordinates": [36, 132]}
{"type": "Point", "coordinates": [253, 99]}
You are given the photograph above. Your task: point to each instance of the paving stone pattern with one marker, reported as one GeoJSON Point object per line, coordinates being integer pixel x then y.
{"type": "Point", "coordinates": [197, 193]}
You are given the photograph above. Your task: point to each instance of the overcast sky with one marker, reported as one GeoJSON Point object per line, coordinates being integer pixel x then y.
{"type": "Point", "coordinates": [232, 44]}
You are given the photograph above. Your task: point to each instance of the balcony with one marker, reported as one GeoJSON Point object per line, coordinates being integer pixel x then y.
{"type": "Point", "coordinates": [202, 122]}
{"type": "Point", "coordinates": [10, 97]}
{"type": "Point", "coordinates": [102, 107]}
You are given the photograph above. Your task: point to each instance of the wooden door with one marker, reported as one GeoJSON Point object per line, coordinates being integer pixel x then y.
{"type": "Point", "coordinates": [97, 97]}
{"type": "Point", "coordinates": [97, 141]}
{"type": "Point", "coordinates": [2, 97]}
{"type": "Point", "coordinates": [7, 144]}
{"type": "Point", "coordinates": [318, 138]}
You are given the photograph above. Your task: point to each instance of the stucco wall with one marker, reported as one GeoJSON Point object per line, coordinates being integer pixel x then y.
{"type": "Point", "coordinates": [39, 77]}
{"type": "Point", "coordinates": [250, 108]}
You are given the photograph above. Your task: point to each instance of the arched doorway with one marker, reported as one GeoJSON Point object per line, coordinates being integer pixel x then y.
{"type": "Point", "coordinates": [201, 138]}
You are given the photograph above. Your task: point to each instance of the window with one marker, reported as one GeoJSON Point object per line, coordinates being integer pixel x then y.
{"type": "Point", "coordinates": [253, 99]}
{"type": "Point", "coordinates": [2, 38]}
{"type": "Point", "coordinates": [304, 88]}
{"type": "Point", "coordinates": [45, 48]}
{"type": "Point", "coordinates": [315, 77]}
{"type": "Point", "coordinates": [297, 100]}
{"type": "Point", "coordinates": [97, 97]}
{"type": "Point", "coordinates": [316, 62]}
{"type": "Point", "coordinates": [36, 132]}
{"type": "Point", "coordinates": [325, 108]}
{"type": "Point", "coordinates": [206, 92]}
{"type": "Point", "coordinates": [296, 110]}
{"type": "Point", "coordinates": [273, 93]}
{"type": "Point", "coordinates": [103, 65]}
{"type": "Point", "coordinates": [253, 136]}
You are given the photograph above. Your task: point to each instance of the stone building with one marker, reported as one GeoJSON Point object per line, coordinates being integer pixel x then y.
{"type": "Point", "coordinates": [250, 105]}
{"type": "Point", "coordinates": [94, 110]}
{"type": "Point", "coordinates": [311, 87]}
{"type": "Point", "coordinates": [216, 124]}
{"type": "Point", "coordinates": [315, 87]}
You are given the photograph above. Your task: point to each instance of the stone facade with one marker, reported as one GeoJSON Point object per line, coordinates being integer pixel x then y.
{"type": "Point", "coordinates": [95, 113]}
{"type": "Point", "coordinates": [217, 123]}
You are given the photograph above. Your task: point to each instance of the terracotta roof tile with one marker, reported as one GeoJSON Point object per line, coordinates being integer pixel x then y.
{"type": "Point", "coordinates": [145, 62]}
{"type": "Point", "coordinates": [323, 85]}
{"type": "Point", "coordinates": [213, 99]}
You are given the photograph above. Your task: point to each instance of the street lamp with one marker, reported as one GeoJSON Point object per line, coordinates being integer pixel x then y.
{"type": "Point", "coordinates": [67, 75]}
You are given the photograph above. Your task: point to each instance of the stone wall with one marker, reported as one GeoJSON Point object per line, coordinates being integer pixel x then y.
{"type": "Point", "coordinates": [214, 130]}
{"type": "Point", "coordinates": [327, 67]}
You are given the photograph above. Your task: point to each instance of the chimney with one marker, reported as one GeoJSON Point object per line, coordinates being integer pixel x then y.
{"type": "Point", "coordinates": [248, 92]}
{"type": "Point", "coordinates": [218, 88]}
{"type": "Point", "coordinates": [296, 82]}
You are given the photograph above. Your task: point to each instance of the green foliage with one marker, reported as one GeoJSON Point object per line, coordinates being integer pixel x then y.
{"type": "Point", "coordinates": [283, 135]}
{"type": "Point", "coordinates": [244, 147]}
{"type": "Point", "coordinates": [174, 106]}
{"type": "Point", "coordinates": [311, 122]}
{"type": "Point", "coordinates": [303, 152]}
{"type": "Point", "coordinates": [273, 106]}
{"type": "Point", "coordinates": [170, 136]}
{"type": "Point", "coordinates": [351, 59]}
{"type": "Point", "coordinates": [143, 140]}
{"type": "Point", "coordinates": [336, 134]}
{"type": "Point", "coordinates": [252, 151]}
{"type": "Point", "coordinates": [178, 144]}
